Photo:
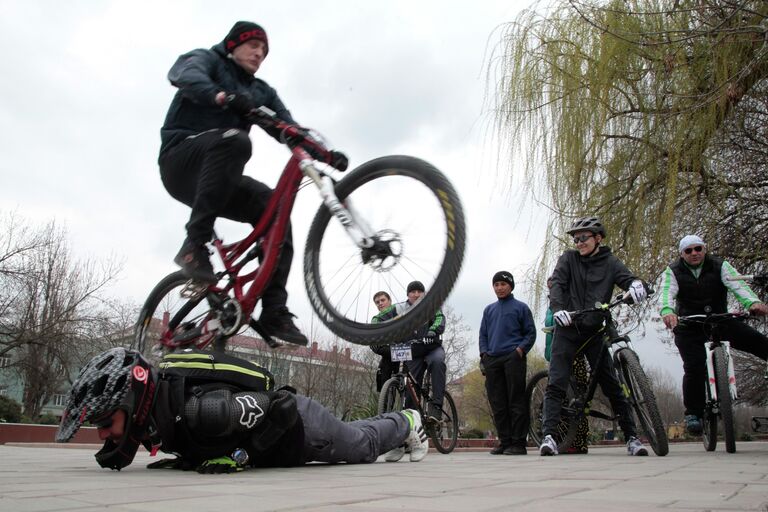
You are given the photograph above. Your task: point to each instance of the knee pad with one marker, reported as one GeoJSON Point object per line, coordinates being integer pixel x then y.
{"type": "Point", "coordinates": [220, 412]}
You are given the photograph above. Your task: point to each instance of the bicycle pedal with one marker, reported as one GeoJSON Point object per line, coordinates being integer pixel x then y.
{"type": "Point", "coordinates": [193, 290]}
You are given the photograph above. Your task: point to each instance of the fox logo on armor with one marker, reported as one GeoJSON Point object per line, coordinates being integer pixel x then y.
{"type": "Point", "coordinates": [251, 412]}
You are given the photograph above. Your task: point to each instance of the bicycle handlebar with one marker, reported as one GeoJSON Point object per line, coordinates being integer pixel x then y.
{"type": "Point", "coordinates": [603, 308]}
{"type": "Point", "coordinates": [755, 278]}
{"type": "Point", "coordinates": [703, 318]}
{"type": "Point", "coordinates": [298, 139]}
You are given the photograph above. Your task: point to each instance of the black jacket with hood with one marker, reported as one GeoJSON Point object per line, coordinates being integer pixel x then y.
{"type": "Point", "coordinates": [578, 282]}
{"type": "Point", "coordinates": [200, 75]}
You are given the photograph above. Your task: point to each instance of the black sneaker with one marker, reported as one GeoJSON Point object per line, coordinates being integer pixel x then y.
{"type": "Point", "coordinates": [498, 450]}
{"type": "Point", "coordinates": [194, 262]}
{"type": "Point", "coordinates": [278, 322]}
{"type": "Point", "coordinates": [515, 450]}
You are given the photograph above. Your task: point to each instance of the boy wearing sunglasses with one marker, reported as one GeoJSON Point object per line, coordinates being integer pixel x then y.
{"type": "Point", "coordinates": [583, 276]}
{"type": "Point", "coordinates": [690, 284]}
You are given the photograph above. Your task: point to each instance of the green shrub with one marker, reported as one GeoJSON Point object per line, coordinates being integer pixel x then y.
{"type": "Point", "coordinates": [472, 433]}
{"type": "Point", "coordinates": [10, 410]}
{"type": "Point", "coordinates": [48, 419]}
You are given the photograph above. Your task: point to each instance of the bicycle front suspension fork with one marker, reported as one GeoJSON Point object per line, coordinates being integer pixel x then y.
{"type": "Point", "coordinates": [357, 229]}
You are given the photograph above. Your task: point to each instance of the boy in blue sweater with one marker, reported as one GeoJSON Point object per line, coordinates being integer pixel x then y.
{"type": "Point", "coordinates": [507, 333]}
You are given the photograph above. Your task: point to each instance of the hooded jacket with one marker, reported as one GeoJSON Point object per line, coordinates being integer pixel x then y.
{"type": "Point", "coordinates": [578, 282]}
{"type": "Point", "coordinates": [199, 76]}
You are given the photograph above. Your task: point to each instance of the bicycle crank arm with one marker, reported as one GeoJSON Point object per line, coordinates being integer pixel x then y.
{"type": "Point", "coordinates": [188, 336]}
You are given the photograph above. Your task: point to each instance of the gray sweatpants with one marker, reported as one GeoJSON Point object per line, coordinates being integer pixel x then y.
{"type": "Point", "coordinates": [328, 439]}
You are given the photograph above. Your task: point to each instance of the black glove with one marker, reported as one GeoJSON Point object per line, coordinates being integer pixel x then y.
{"type": "Point", "coordinates": [430, 337]}
{"type": "Point", "coordinates": [339, 160]}
{"type": "Point", "coordinates": [239, 104]}
{"type": "Point", "coordinates": [177, 463]}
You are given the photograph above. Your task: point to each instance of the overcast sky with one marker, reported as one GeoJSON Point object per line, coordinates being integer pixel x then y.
{"type": "Point", "coordinates": [84, 92]}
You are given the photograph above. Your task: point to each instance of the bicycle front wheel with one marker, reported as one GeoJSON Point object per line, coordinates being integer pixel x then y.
{"type": "Point", "coordinates": [418, 229]}
{"type": "Point", "coordinates": [391, 396]}
{"type": "Point", "coordinates": [709, 423]}
{"type": "Point", "coordinates": [444, 429]}
{"type": "Point", "coordinates": [566, 429]}
{"type": "Point", "coordinates": [643, 401]}
{"type": "Point", "coordinates": [724, 398]}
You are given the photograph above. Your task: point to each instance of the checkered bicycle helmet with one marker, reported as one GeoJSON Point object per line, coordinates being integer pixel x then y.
{"type": "Point", "coordinates": [592, 224]}
{"type": "Point", "coordinates": [116, 379]}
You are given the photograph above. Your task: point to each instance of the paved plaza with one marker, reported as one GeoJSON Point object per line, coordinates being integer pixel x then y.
{"type": "Point", "coordinates": [45, 478]}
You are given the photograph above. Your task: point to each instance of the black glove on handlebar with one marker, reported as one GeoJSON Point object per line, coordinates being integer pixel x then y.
{"type": "Point", "coordinates": [339, 160]}
{"type": "Point", "coordinates": [239, 104]}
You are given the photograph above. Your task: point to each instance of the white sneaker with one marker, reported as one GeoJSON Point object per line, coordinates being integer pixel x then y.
{"type": "Point", "coordinates": [395, 454]}
{"type": "Point", "coordinates": [548, 446]}
{"type": "Point", "coordinates": [417, 438]}
{"type": "Point", "coordinates": [635, 447]}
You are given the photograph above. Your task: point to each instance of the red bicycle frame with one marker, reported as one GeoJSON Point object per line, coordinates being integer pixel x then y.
{"type": "Point", "coordinates": [270, 229]}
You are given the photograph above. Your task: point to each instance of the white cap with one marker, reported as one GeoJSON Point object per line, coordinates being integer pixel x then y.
{"type": "Point", "coordinates": [689, 240]}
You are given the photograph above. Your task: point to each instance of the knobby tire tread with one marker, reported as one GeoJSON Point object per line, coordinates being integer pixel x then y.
{"type": "Point", "coordinates": [387, 332]}
{"type": "Point", "coordinates": [724, 397]}
{"type": "Point", "coordinates": [160, 290]}
{"type": "Point", "coordinates": [438, 441]}
{"type": "Point", "coordinates": [389, 394]}
{"type": "Point", "coordinates": [656, 433]}
{"type": "Point", "coordinates": [568, 426]}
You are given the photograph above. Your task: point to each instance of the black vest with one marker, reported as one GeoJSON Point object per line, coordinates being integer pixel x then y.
{"type": "Point", "coordinates": [708, 290]}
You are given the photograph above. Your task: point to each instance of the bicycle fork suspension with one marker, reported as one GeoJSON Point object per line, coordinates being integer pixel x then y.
{"type": "Point", "coordinates": [357, 229]}
{"type": "Point", "coordinates": [711, 379]}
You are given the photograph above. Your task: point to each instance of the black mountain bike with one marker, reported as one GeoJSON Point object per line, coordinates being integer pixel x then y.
{"type": "Point", "coordinates": [443, 429]}
{"type": "Point", "coordinates": [578, 401]}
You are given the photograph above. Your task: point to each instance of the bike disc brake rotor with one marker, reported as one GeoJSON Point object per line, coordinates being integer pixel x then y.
{"type": "Point", "coordinates": [386, 251]}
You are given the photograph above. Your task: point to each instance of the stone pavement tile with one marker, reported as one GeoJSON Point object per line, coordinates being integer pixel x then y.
{"type": "Point", "coordinates": [39, 504]}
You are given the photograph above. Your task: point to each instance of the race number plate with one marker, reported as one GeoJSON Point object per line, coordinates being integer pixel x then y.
{"type": "Point", "coordinates": [400, 352]}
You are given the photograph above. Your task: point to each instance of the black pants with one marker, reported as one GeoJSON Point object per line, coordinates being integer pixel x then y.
{"type": "Point", "coordinates": [565, 343]}
{"type": "Point", "coordinates": [505, 385]}
{"type": "Point", "coordinates": [386, 369]}
{"type": "Point", "coordinates": [205, 172]}
{"type": "Point", "coordinates": [690, 343]}
{"type": "Point", "coordinates": [435, 361]}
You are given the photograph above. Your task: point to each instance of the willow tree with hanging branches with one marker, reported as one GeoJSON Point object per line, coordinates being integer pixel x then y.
{"type": "Point", "coordinates": [630, 110]}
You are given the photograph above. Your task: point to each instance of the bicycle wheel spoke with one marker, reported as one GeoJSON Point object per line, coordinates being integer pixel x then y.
{"type": "Point", "coordinates": [418, 234]}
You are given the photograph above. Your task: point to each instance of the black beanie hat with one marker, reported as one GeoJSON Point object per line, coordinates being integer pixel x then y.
{"type": "Point", "coordinates": [414, 285]}
{"type": "Point", "coordinates": [241, 32]}
{"type": "Point", "coordinates": [503, 275]}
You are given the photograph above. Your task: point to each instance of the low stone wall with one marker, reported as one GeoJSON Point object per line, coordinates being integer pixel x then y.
{"type": "Point", "coordinates": [26, 433]}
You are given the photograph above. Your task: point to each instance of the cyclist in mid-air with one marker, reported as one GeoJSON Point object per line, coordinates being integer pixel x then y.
{"type": "Point", "coordinates": [582, 277]}
{"type": "Point", "coordinates": [690, 284]}
{"type": "Point", "coordinates": [205, 147]}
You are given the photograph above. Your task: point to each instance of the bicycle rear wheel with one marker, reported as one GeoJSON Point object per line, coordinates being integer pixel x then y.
{"type": "Point", "coordinates": [566, 429]}
{"type": "Point", "coordinates": [443, 430]}
{"type": "Point", "coordinates": [418, 222]}
{"type": "Point", "coordinates": [391, 396]}
{"type": "Point", "coordinates": [172, 313]}
{"type": "Point", "coordinates": [720, 360]}
{"type": "Point", "coordinates": [643, 401]}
